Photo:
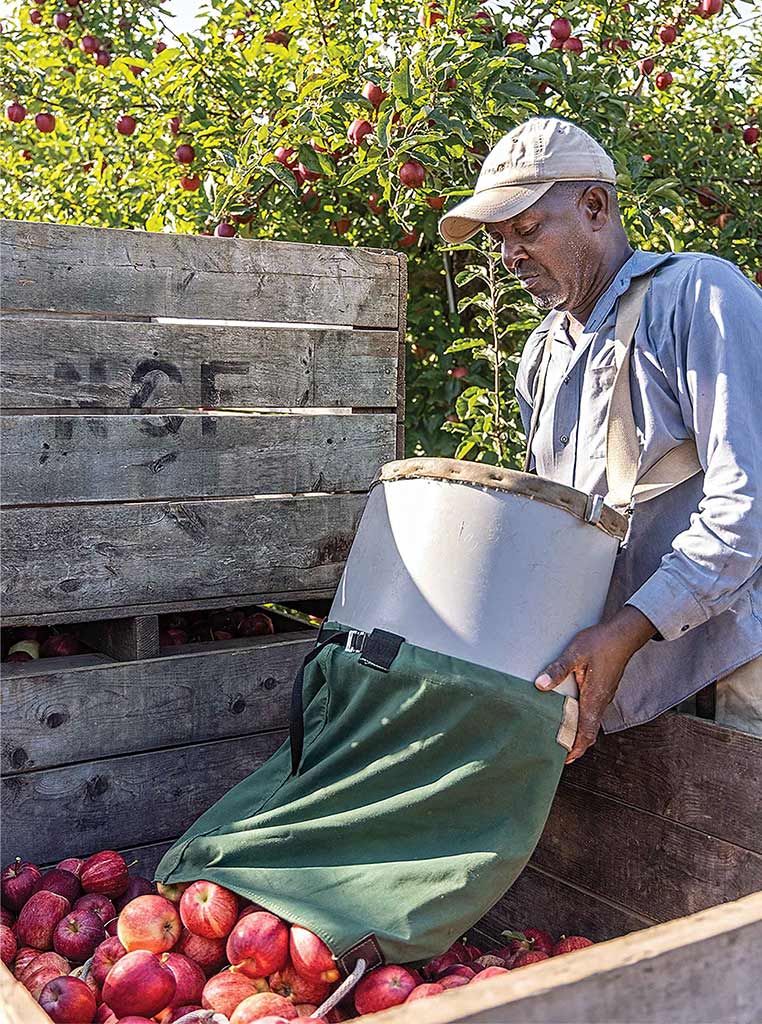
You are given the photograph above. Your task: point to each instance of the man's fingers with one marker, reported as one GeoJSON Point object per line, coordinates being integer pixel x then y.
{"type": "Point", "coordinates": [581, 744]}
{"type": "Point", "coordinates": [555, 673]}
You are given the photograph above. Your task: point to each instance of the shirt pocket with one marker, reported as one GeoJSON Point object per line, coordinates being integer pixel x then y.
{"type": "Point", "coordinates": [597, 385]}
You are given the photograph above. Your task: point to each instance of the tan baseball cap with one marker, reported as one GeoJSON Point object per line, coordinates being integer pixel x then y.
{"type": "Point", "coordinates": [521, 168]}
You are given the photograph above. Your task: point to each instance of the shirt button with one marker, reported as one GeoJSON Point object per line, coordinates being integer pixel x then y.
{"type": "Point", "coordinates": [683, 628]}
{"type": "Point", "coordinates": [563, 439]}
{"type": "Point", "coordinates": [566, 380]}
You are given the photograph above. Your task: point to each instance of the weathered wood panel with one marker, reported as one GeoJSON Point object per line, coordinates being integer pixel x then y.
{"type": "Point", "coordinates": [541, 900]}
{"type": "Point", "coordinates": [62, 458]}
{"type": "Point", "coordinates": [686, 769]}
{"type": "Point", "coordinates": [123, 801]}
{"type": "Point", "coordinates": [105, 271]}
{"type": "Point", "coordinates": [646, 863]}
{"type": "Point", "coordinates": [17, 1006]}
{"type": "Point", "coordinates": [58, 717]}
{"type": "Point", "coordinates": [54, 362]}
{"type": "Point", "coordinates": [401, 364]}
{"type": "Point", "coordinates": [90, 557]}
{"type": "Point", "coordinates": [704, 968]}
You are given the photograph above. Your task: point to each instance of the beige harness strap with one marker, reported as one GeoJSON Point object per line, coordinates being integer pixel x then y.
{"type": "Point", "coordinates": [622, 448]}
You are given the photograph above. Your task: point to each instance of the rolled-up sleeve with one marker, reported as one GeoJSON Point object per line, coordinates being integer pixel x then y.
{"type": "Point", "coordinates": [717, 335]}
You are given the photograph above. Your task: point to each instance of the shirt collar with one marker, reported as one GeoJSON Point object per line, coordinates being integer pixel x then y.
{"type": "Point", "coordinates": [639, 263]}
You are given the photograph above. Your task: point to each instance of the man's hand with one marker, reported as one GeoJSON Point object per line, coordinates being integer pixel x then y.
{"type": "Point", "coordinates": [597, 657]}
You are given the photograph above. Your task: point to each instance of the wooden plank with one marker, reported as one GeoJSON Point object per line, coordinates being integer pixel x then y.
{"type": "Point", "coordinates": [84, 557]}
{"type": "Point", "coordinates": [16, 1003]}
{"type": "Point", "coordinates": [538, 899]}
{"type": "Point", "coordinates": [203, 691]}
{"type": "Point", "coordinates": [684, 768]}
{"type": "Point", "coordinates": [703, 968]}
{"type": "Point", "coordinates": [123, 639]}
{"type": "Point", "coordinates": [104, 364]}
{"type": "Point", "coordinates": [122, 801]}
{"type": "Point", "coordinates": [646, 863]}
{"type": "Point", "coordinates": [24, 670]}
{"type": "Point", "coordinates": [137, 273]}
{"type": "Point", "coordinates": [52, 459]}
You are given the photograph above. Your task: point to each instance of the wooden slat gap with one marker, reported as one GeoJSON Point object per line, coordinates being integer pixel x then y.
{"type": "Point", "coordinates": [613, 904]}
{"type": "Point", "coordinates": [185, 498]}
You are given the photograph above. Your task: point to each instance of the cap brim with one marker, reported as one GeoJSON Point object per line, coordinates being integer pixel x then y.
{"type": "Point", "coordinates": [489, 207]}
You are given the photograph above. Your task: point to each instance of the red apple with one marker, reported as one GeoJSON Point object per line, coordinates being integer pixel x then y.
{"type": "Point", "coordinates": [667, 34]}
{"type": "Point", "coordinates": [139, 983]}
{"type": "Point", "coordinates": [172, 891]}
{"type": "Point", "coordinates": [68, 1001]}
{"type": "Point", "coordinates": [409, 238]}
{"type": "Point", "coordinates": [39, 917]}
{"type": "Point", "coordinates": [258, 945]}
{"type": "Point", "coordinates": [99, 904]}
{"type": "Point", "coordinates": [105, 872]}
{"type": "Point", "coordinates": [45, 122]}
{"type": "Point", "coordinates": [560, 28]}
{"type": "Point", "coordinates": [105, 1015]}
{"type": "Point", "coordinates": [77, 934]}
{"type": "Point", "coordinates": [174, 125]}
{"type": "Point", "coordinates": [15, 112]}
{"type": "Point", "coordinates": [342, 225]}
{"type": "Point", "coordinates": [646, 65]}
{"type": "Point", "coordinates": [24, 957]}
{"type": "Point", "coordinates": [707, 8]}
{"type": "Point", "coordinates": [293, 986]}
{"type": "Point", "coordinates": [257, 624]}
{"type": "Point", "coordinates": [89, 44]}
{"type": "Point", "coordinates": [209, 910]}
{"type": "Point", "coordinates": [663, 80]}
{"type": "Point", "coordinates": [453, 981]}
{"type": "Point", "coordinates": [65, 883]}
{"type": "Point", "coordinates": [255, 1008]}
{"type": "Point", "coordinates": [185, 154]}
{"type": "Point", "coordinates": [19, 881]}
{"type": "Point", "coordinates": [374, 204]}
{"type": "Point", "coordinates": [750, 135]}
{"type": "Point", "coordinates": [435, 202]}
{"type": "Point", "coordinates": [570, 943]}
{"type": "Point", "coordinates": [42, 969]}
{"type": "Point", "coordinates": [35, 16]}
{"type": "Point", "coordinates": [310, 956]}
{"type": "Point", "coordinates": [487, 973]}
{"type": "Point", "coordinates": [209, 954]}
{"type": "Point", "coordinates": [73, 864]}
{"type": "Point", "coordinates": [572, 44]}
{"type": "Point", "coordinates": [8, 944]}
{"type": "Point", "coordinates": [466, 971]}
{"type": "Point", "coordinates": [357, 131]}
{"type": "Point", "coordinates": [62, 20]}
{"type": "Point", "coordinates": [225, 230]}
{"type": "Point", "coordinates": [514, 38]}
{"type": "Point", "coordinates": [758, 277]}
{"type": "Point", "coordinates": [374, 93]}
{"type": "Point", "coordinates": [105, 956]}
{"type": "Point", "coordinates": [225, 991]}
{"type": "Point", "coordinates": [424, 991]}
{"type": "Point", "coordinates": [173, 637]}
{"type": "Point", "coordinates": [149, 923]}
{"type": "Point", "coordinates": [159, 46]}
{"type": "Point", "coordinates": [125, 124]}
{"type": "Point", "coordinates": [189, 978]}
{"type": "Point", "coordinates": [136, 886]}
{"type": "Point", "coordinates": [7, 918]}
{"type": "Point", "coordinates": [286, 156]}
{"type": "Point", "coordinates": [528, 956]}
{"type": "Point", "coordinates": [278, 37]}
{"type": "Point", "coordinates": [412, 174]}
{"type": "Point", "coordinates": [382, 988]}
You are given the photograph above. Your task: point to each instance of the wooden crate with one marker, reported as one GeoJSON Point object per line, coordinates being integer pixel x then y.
{"type": "Point", "coordinates": [188, 422]}
{"type": "Point", "coordinates": [654, 838]}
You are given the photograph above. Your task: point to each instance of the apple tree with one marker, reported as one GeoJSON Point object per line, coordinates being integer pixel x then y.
{"type": "Point", "coordinates": [334, 122]}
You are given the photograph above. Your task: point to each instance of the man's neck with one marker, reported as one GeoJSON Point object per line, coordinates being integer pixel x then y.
{"type": "Point", "coordinates": [606, 273]}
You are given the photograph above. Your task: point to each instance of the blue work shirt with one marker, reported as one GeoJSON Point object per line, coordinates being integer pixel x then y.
{"type": "Point", "coordinates": [692, 558]}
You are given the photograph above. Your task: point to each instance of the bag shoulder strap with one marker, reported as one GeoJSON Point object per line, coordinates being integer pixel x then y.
{"type": "Point", "coordinates": [622, 448]}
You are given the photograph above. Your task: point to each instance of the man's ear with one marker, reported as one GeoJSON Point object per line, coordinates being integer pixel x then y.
{"type": "Point", "coordinates": [595, 202]}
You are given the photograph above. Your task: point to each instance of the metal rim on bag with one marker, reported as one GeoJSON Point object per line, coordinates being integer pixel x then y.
{"type": "Point", "coordinates": [526, 484]}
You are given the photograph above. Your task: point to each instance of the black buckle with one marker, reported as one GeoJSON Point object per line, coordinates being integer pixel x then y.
{"type": "Point", "coordinates": [366, 949]}
{"type": "Point", "coordinates": [380, 649]}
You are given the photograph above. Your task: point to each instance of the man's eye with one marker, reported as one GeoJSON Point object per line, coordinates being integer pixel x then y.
{"type": "Point", "coordinates": [527, 232]}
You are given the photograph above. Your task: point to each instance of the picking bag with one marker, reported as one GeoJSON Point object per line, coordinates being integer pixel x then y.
{"type": "Point", "coordinates": [410, 796]}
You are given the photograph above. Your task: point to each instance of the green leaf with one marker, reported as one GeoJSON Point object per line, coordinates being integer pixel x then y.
{"type": "Point", "coordinates": [283, 175]}
{"type": "Point", "coordinates": [360, 171]}
{"type": "Point", "coordinates": [402, 86]}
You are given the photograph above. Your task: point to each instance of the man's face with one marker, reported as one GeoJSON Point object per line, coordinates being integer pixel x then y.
{"type": "Point", "coordinates": [554, 247]}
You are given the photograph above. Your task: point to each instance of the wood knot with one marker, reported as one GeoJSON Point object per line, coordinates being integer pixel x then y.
{"type": "Point", "coordinates": [56, 718]}
{"type": "Point", "coordinates": [96, 786]}
{"type": "Point", "coordinates": [269, 683]}
{"type": "Point", "coordinates": [238, 705]}
{"type": "Point", "coordinates": [19, 758]}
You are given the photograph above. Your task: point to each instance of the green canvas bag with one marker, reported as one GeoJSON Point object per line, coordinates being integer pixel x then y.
{"type": "Point", "coordinates": [411, 795]}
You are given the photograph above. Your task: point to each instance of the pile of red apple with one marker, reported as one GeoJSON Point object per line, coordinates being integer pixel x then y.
{"type": "Point", "coordinates": [94, 945]}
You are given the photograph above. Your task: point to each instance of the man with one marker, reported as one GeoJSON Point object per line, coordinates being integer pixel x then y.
{"type": "Point", "coordinates": [685, 604]}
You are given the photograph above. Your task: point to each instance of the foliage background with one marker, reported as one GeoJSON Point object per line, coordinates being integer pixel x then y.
{"type": "Point", "coordinates": [454, 88]}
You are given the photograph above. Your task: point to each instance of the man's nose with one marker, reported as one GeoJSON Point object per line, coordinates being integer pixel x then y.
{"type": "Point", "coordinates": [512, 255]}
